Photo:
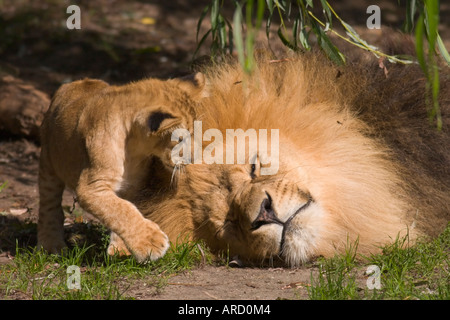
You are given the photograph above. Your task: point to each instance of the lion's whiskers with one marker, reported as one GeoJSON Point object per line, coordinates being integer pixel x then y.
{"type": "Point", "coordinates": [174, 171]}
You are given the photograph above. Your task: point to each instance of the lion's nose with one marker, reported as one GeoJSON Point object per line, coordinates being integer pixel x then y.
{"type": "Point", "coordinates": [266, 214]}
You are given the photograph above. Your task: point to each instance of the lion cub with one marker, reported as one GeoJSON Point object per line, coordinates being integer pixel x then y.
{"type": "Point", "coordinates": [95, 140]}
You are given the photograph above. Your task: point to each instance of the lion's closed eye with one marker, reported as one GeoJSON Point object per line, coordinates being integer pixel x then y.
{"type": "Point", "coordinates": [255, 166]}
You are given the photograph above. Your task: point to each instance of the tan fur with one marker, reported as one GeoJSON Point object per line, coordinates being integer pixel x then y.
{"type": "Point", "coordinates": [359, 145]}
{"type": "Point", "coordinates": [98, 140]}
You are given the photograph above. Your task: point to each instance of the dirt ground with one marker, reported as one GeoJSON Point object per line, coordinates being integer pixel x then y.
{"type": "Point", "coordinates": [121, 41]}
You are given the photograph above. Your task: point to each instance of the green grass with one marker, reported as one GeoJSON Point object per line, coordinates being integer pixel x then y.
{"type": "Point", "coordinates": [336, 279]}
{"type": "Point", "coordinates": [37, 275]}
{"type": "Point", "coordinates": [406, 272]}
{"type": "Point", "coordinates": [421, 272]}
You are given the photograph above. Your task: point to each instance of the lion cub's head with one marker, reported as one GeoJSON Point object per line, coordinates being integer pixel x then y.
{"type": "Point", "coordinates": [162, 107]}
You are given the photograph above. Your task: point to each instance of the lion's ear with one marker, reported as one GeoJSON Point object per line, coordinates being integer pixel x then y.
{"type": "Point", "coordinates": [195, 84]}
{"type": "Point", "coordinates": [160, 122]}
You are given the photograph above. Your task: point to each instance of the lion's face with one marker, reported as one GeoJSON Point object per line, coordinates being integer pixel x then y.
{"type": "Point", "coordinates": [269, 216]}
{"type": "Point", "coordinates": [255, 216]}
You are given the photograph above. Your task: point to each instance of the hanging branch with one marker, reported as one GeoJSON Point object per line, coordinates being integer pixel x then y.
{"type": "Point", "coordinates": [240, 35]}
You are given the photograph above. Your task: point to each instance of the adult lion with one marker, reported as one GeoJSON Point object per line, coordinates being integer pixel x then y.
{"type": "Point", "coordinates": [358, 160]}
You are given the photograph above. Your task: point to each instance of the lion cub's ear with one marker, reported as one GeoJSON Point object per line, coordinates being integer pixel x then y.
{"type": "Point", "coordinates": [160, 122]}
{"type": "Point", "coordinates": [196, 85]}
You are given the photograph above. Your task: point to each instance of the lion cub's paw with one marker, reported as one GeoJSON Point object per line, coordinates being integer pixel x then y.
{"type": "Point", "coordinates": [117, 246]}
{"type": "Point", "coordinates": [150, 244]}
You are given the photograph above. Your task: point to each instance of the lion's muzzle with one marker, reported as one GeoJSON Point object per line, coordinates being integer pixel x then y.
{"type": "Point", "coordinates": [267, 215]}
{"type": "Point", "coordinates": [287, 223]}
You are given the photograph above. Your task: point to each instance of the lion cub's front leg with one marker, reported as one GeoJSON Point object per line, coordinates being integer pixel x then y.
{"type": "Point", "coordinates": [142, 237]}
{"type": "Point", "coordinates": [117, 246]}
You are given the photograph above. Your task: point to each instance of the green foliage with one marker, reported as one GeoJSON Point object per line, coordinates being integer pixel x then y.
{"type": "Point", "coordinates": [246, 55]}
{"type": "Point", "coordinates": [427, 26]}
{"type": "Point", "coordinates": [3, 186]}
{"type": "Point", "coordinates": [420, 271]}
{"type": "Point", "coordinates": [336, 279]}
{"type": "Point", "coordinates": [298, 12]}
{"type": "Point", "coordinates": [249, 15]}
{"type": "Point", "coordinates": [415, 272]}
{"type": "Point", "coordinates": [40, 276]}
